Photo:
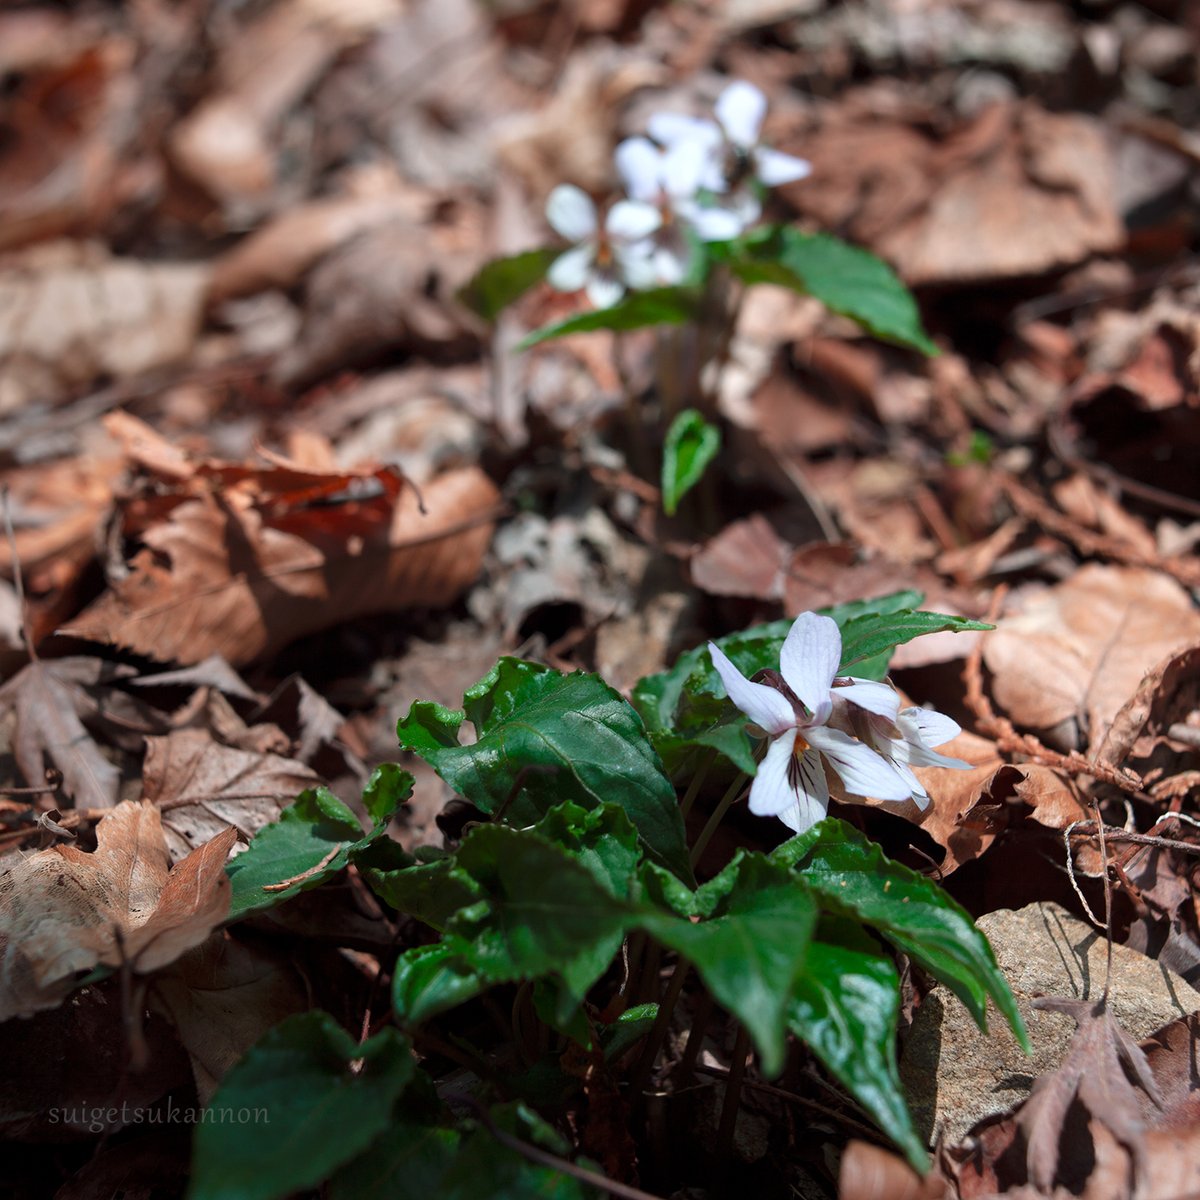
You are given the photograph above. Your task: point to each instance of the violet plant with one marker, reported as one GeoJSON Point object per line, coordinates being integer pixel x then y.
{"type": "Point", "coordinates": [575, 873]}
{"type": "Point", "coordinates": [678, 249]}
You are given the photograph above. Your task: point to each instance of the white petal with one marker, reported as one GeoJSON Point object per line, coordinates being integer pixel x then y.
{"type": "Point", "coordinates": [765, 706]}
{"type": "Point", "coordinates": [773, 167]}
{"type": "Point", "coordinates": [862, 770]}
{"type": "Point", "coordinates": [922, 756]}
{"type": "Point", "coordinates": [772, 792]}
{"type": "Point", "coordinates": [570, 271]}
{"type": "Point", "coordinates": [604, 289]}
{"type": "Point", "coordinates": [712, 224]}
{"type": "Point", "coordinates": [809, 660]}
{"type": "Point", "coordinates": [867, 694]}
{"type": "Point", "coordinates": [571, 212]}
{"type": "Point", "coordinates": [630, 220]}
{"type": "Point", "coordinates": [685, 166]}
{"type": "Point", "coordinates": [667, 128]}
{"type": "Point", "coordinates": [740, 108]}
{"type": "Point", "coordinates": [917, 792]}
{"type": "Point", "coordinates": [812, 794]}
{"type": "Point", "coordinates": [671, 263]}
{"type": "Point", "coordinates": [640, 164]}
{"type": "Point", "coordinates": [639, 266]}
{"type": "Point", "coordinates": [934, 727]}
{"type": "Point", "coordinates": [744, 205]}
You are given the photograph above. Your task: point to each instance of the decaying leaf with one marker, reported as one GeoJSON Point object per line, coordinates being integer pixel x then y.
{"type": "Point", "coordinates": [46, 699]}
{"type": "Point", "coordinates": [240, 560]}
{"type": "Point", "coordinates": [64, 910]}
{"type": "Point", "coordinates": [1072, 655]}
{"type": "Point", "coordinates": [203, 786]}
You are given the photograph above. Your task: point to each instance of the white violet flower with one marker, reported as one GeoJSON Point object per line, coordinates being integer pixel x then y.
{"type": "Point", "coordinates": [734, 153]}
{"type": "Point", "coordinates": [605, 260]}
{"type": "Point", "coordinates": [791, 783]}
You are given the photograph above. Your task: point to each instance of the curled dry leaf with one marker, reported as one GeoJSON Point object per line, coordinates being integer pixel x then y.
{"type": "Point", "coordinates": [1071, 657]}
{"type": "Point", "coordinates": [63, 911]}
{"type": "Point", "coordinates": [246, 559]}
{"type": "Point", "coordinates": [202, 786]}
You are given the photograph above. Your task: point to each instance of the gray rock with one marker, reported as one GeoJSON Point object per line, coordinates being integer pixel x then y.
{"type": "Point", "coordinates": [954, 1075]}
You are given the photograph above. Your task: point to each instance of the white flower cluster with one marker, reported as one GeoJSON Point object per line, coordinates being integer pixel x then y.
{"type": "Point", "coordinates": [691, 176]}
{"type": "Point", "coordinates": [818, 722]}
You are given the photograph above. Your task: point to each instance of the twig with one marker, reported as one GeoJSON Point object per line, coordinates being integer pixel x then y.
{"type": "Point", "coordinates": [1107, 901]}
{"type": "Point", "coordinates": [555, 1162]}
{"type": "Point", "coordinates": [18, 575]}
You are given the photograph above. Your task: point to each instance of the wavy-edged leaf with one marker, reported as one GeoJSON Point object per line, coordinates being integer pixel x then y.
{"type": "Point", "coordinates": [691, 444]}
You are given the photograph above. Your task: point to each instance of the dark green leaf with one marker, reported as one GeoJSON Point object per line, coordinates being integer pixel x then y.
{"type": "Point", "coordinates": [873, 634]}
{"type": "Point", "coordinates": [293, 1110]}
{"type": "Point", "coordinates": [749, 946]}
{"type": "Point", "coordinates": [503, 281]}
{"type": "Point", "coordinates": [662, 306]}
{"type": "Point", "coordinates": [853, 877]}
{"type": "Point", "coordinates": [845, 1006]}
{"type": "Point", "coordinates": [601, 839]}
{"type": "Point", "coordinates": [387, 789]}
{"type": "Point", "coordinates": [429, 980]}
{"type": "Point", "coordinates": [545, 738]}
{"type": "Point", "coordinates": [846, 279]}
{"type": "Point", "coordinates": [692, 443]}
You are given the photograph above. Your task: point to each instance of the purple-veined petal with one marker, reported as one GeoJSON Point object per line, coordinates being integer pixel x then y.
{"type": "Point", "coordinates": [917, 792]}
{"type": "Point", "coordinates": [667, 128]}
{"type": "Point", "coordinates": [809, 660]}
{"type": "Point", "coordinates": [772, 791]}
{"type": "Point", "coordinates": [740, 108]}
{"type": "Point", "coordinates": [811, 795]}
{"type": "Point", "coordinates": [934, 727]}
{"type": "Point", "coordinates": [863, 771]}
{"type": "Point", "coordinates": [639, 162]}
{"type": "Point", "coordinates": [766, 707]}
{"type": "Point", "coordinates": [773, 167]}
{"type": "Point", "coordinates": [867, 694]}
{"type": "Point", "coordinates": [711, 224]}
{"type": "Point", "coordinates": [571, 212]}
{"type": "Point", "coordinates": [570, 271]}
{"type": "Point", "coordinates": [631, 220]}
{"type": "Point", "coordinates": [604, 289]}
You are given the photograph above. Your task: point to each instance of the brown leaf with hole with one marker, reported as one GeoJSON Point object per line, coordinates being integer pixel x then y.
{"type": "Point", "coordinates": [1072, 655]}
{"type": "Point", "coordinates": [202, 785]}
{"type": "Point", "coordinates": [47, 699]}
{"type": "Point", "coordinates": [64, 910]}
{"type": "Point", "coordinates": [240, 560]}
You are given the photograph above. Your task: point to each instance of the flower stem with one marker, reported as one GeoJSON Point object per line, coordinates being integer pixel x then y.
{"type": "Point", "coordinates": [658, 1031]}
{"type": "Point", "coordinates": [689, 797]}
{"type": "Point", "coordinates": [733, 1093]}
{"type": "Point", "coordinates": [718, 815]}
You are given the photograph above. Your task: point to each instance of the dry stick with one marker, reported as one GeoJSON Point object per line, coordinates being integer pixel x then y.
{"type": "Point", "coordinates": [1107, 902]}
{"type": "Point", "coordinates": [554, 1162]}
{"type": "Point", "coordinates": [733, 1093]}
{"type": "Point", "coordinates": [18, 575]}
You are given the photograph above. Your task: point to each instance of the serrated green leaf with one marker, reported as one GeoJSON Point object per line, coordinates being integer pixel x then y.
{"type": "Point", "coordinates": [312, 840]}
{"type": "Point", "coordinates": [601, 839]}
{"type": "Point", "coordinates": [544, 738]}
{"type": "Point", "coordinates": [852, 877]}
{"type": "Point", "coordinates": [691, 444]}
{"type": "Point", "coordinates": [296, 1109]}
{"type": "Point", "coordinates": [389, 786]}
{"type": "Point", "coordinates": [873, 634]}
{"type": "Point", "coordinates": [845, 278]}
{"type": "Point", "coordinates": [638, 310]}
{"type": "Point", "coordinates": [504, 281]}
{"type": "Point", "coordinates": [429, 980]}
{"type": "Point", "coordinates": [845, 1006]}
{"type": "Point", "coordinates": [749, 946]}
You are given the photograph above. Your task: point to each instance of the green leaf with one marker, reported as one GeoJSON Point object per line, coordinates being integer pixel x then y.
{"type": "Point", "coordinates": [845, 278]}
{"type": "Point", "coordinates": [310, 842]}
{"type": "Point", "coordinates": [853, 877]}
{"type": "Point", "coordinates": [389, 786]}
{"type": "Point", "coordinates": [661, 306]}
{"type": "Point", "coordinates": [749, 946]}
{"type": "Point", "coordinates": [503, 281]}
{"type": "Point", "coordinates": [845, 1007]}
{"type": "Point", "coordinates": [692, 443]}
{"type": "Point", "coordinates": [873, 634]}
{"type": "Point", "coordinates": [601, 839]}
{"type": "Point", "coordinates": [544, 738]}
{"type": "Point", "coordinates": [429, 980]}
{"type": "Point", "coordinates": [293, 1110]}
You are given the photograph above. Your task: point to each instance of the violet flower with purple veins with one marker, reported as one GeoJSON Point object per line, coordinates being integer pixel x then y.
{"type": "Point", "coordinates": [794, 710]}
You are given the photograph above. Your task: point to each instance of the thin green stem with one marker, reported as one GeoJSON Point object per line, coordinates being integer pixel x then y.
{"type": "Point", "coordinates": [726, 803]}
{"type": "Point", "coordinates": [689, 797]}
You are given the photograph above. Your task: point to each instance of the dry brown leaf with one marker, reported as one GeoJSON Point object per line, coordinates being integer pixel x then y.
{"type": "Point", "coordinates": [1075, 653]}
{"type": "Point", "coordinates": [872, 1173]}
{"type": "Point", "coordinates": [252, 558]}
{"type": "Point", "coordinates": [63, 910]}
{"type": "Point", "coordinates": [69, 314]}
{"type": "Point", "coordinates": [202, 786]}
{"type": "Point", "coordinates": [46, 700]}
{"type": "Point", "coordinates": [747, 558]}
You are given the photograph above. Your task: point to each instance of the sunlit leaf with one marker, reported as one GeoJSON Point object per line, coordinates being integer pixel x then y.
{"type": "Point", "coordinates": [692, 443]}
{"type": "Point", "coordinates": [638, 310]}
